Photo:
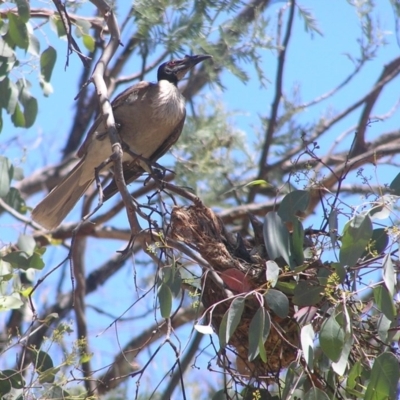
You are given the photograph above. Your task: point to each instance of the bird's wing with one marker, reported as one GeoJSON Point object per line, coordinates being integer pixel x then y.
{"type": "Point", "coordinates": [130, 93]}
{"type": "Point", "coordinates": [134, 171]}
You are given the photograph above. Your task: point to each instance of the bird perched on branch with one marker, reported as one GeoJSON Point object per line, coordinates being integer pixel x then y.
{"type": "Point", "coordinates": [149, 118]}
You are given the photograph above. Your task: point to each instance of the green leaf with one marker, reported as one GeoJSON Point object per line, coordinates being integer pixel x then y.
{"type": "Point", "coordinates": [307, 345]}
{"type": "Point", "coordinates": [36, 261]}
{"type": "Point", "coordinates": [258, 333]}
{"type": "Point", "coordinates": [57, 25]}
{"type": "Point", "coordinates": [5, 385]}
{"type": "Point", "coordinates": [294, 379]}
{"type": "Point", "coordinates": [277, 302]}
{"type": "Point", "coordinates": [395, 185]}
{"type": "Point", "coordinates": [18, 117]}
{"type": "Point", "coordinates": [14, 200]}
{"type": "Point", "coordinates": [276, 238]}
{"type": "Point", "coordinates": [24, 11]}
{"type": "Point", "coordinates": [307, 294]}
{"type": "Point", "coordinates": [14, 377]}
{"type": "Point", "coordinates": [340, 366]}
{"type": "Point", "coordinates": [222, 332]}
{"type": "Point", "coordinates": [332, 338]}
{"type": "Point", "coordinates": [316, 394]}
{"type": "Point", "coordinates": [297, 240]}
{"type": "Point", "coordinates": [47, 61]}
{"type": "Point", "coordinates": [384, 379]}
{"type": "Point", "coordinates": [89, 42]}
{"type": "Point", "coordinates": [5, 50]}
{"type": "Point", "coordinates": [384, 301]}
{"type": "Point", "coordinates": [293, 205]}
{"type": "Point", "coordinates": [18, 31]}
{"type": "Point", "coordinates": [383, 326]}
{"type": "Point", "coordinates": [286, 287]}
{"type": "Point", "coordinates": [165, 300]}
{"type": "Point", "coordinates": [272, 272]}
{"type": "Point", "coordinates": [356, 235]}
{"type": "Point", "coordinates": [18, 259]}
{"type": "Point", "coordinates": [5, 177]}
{"type": "Point", "coordinates": [30, 107]}
{"type": "Point", "coordinates": [34, 45]}
{"type": "Point", "coordinates": [354, 373]}
{"type": "Point", "coordinates": [340, 270]}
{"type": "Point", "coordinates": [9, 95]}
{"type": "Point", "coordinates": [41, 360]}
{"type": "Point", "coordinates": [49, 375]}
{"type": "Point", "coordinates": [8, 59]}
{"type": "Point", "coordinates": [389, 275]}
{"type": "Point", "coordinates": [235, 312]}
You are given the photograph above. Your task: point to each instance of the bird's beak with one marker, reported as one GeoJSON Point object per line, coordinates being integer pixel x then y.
{"type": "Point", "coordinates": [187, 63]}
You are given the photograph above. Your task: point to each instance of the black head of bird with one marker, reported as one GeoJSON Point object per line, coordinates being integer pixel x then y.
{"type": "Point", "coordinates": [175, 70]}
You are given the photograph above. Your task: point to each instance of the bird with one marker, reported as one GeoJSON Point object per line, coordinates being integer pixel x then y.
{"type": "Point", "coordinates": [149, 118]}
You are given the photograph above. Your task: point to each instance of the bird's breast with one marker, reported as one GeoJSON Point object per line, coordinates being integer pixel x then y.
{"type": "Point", "coordinates": [168, 104]}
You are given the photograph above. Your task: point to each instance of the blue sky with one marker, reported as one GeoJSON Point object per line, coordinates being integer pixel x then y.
{"type": "Point", "coordinates": [316, 64]}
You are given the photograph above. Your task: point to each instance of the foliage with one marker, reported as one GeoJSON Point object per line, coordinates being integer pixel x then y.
{"type": "Point", "coordinates": [263, 242]}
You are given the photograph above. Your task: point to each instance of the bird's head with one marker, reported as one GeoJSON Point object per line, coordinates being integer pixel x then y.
{"type": "Point", "coordinates": [173, 71]}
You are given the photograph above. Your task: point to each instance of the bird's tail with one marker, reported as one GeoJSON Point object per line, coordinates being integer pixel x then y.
{"type": "Point", "coordinates": [61, 200]}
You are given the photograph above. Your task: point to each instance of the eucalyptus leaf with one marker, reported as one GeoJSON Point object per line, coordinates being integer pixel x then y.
{"type": "Point", "coordinates": [355, 238]}
{"type": "Point", "coordinates": [332, 338]}
{"type": "Point", "coordinates": [276, 238]}
{"type": "Point", "coordinates": [293, 205]}
{"type": "Point", "coordinates": [307, 294]}
{"type": "Point", "coordinates": [277, 302]}
{"type": "Point", "coordinates": [165, 300]}
{"type": "Point", "coordinates": [307, 344]}
{"type": "Point", "coordinates": [384, 379]}
{"type": "Point", "coordinates": [234, 316]}
{"type": "Point", "coordinates": [384, 301]}
{"type": "Point", "coordinates": [395, 185]}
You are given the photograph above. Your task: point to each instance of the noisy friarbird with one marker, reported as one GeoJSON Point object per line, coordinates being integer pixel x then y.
{"type": "Point", "coordinates": [149, 118]}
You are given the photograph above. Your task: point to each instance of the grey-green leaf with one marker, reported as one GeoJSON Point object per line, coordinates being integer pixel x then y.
{"type": "Point", "coordinates": [332, 338]}
{"type": "Point", "coordinates": [384, 379]}
{"type": "Point", "coordinates": [47, 61]}
{"type": "Point", "coordinates": [165, 299]}
{"type": "Point", "coordinates": [355, 238]}
{"type": "Point", "coordinates": [395, 185]}
{"type": "Point", "coordinates": [258, 334]}
{"type": "Point", "coordinates": [293, 205]}
{"type": "Point", "coordinates": [307, 294]}
{"type": "Point", "coordinates": [384, 301]}
{"type": "Point", "coordinates": [18, 31]}
{"type": "Point", "coordinates": [24, 11]}
{"type": "Point", "coordinates": [316, 394]}
{"type": "Point", "coordinates": [277, 302]}
{"type": "Point", "coordinates": [276, 238]}
{"type": "Point", "coordinates": [234, 316]}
